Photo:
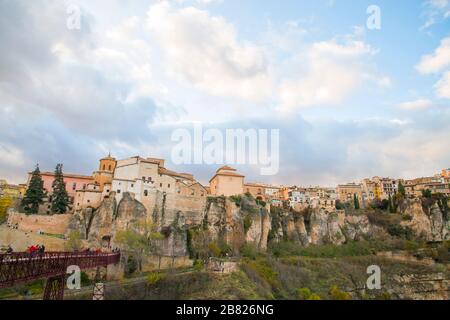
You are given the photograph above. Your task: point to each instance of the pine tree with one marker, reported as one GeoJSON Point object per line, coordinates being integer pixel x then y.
{"type": "Point", "coordinates": [34, 194]}
{"type": "Point", "coordinates": [401, 189]}
{"type": "Point", "coordinates": [60, 198]}
{"type": "Point", "coordinates": [390, 206]}
{"type": "Point", "coordinates": [356, 201]}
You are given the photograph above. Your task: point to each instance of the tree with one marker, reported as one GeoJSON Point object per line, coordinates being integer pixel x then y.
{"type": "Point", "coordinates": [401, 189]}
{"type": "Point", "coordinates": [5, 203]}
{"type": "Point", "coordinates": [356, 201]}
{"type": "Point", "coordinates": [391, 205]}
{"type": "Point", "coordinates": [426, 193]}
{"type": "Point", "coordinates": [34, 194]}
{"type": "Point", "coordinates": [74, 242]}
{"type": "Point", "coordinates": [60, 198]}
{"type": "Point", "coordinates": [140, 239]}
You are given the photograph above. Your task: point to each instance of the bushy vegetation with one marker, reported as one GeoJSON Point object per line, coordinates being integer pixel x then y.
{"type": "Point", "coordinates": [5, 203]}
{"type": "Point", "coordinates": [249, 251]}
{"type": "Point", "coordinates": [350, 249]}
{"type": "Point", "coordinates": [397, 230]}
{"type": "Point", "coordinates": [306, 294]}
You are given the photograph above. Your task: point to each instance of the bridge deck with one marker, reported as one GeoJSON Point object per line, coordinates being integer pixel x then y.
{"type": "Point", "coordinates": [16, 268]}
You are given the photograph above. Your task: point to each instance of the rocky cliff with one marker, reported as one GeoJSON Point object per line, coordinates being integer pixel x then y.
{"type": "Point", "coordinates": [229, 222]}
{"type": "Point", "coordinates": [318, 226]}
{"type": "Point", "coordinates": [240, 220]}
{"type": "Point", "coordinates": [426, 219]}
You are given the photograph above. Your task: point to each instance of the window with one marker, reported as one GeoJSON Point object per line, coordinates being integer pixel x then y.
{"type": "Point", "coordinates": [104, 167]}
{"type": "Point", "coordinates": [118, 191]}
{"type": "Point", "coordinates": [192, 192]}
{"type": "Point", "coordinates": [74, 186]}
{"type": "Point", "coordinates": [160, 185]}
{"type": "Point", "coordinates": [132, 185]}
{"type": "Point", "coordinates": [88, 201]}
{"type": "Point", "coordinates": [145, 193]}
{"type": "Point", "coordinates": [143, 179]}
{"type": "Point", "coordinates": [107, 190]}
{"type": "Point", "coordinates": [109, 167]}
{"type": "Point", "coordinates": [168, 186]}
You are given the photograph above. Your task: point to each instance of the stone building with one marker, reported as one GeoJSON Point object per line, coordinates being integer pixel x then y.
{"type": "Point", "coordinates": [346, 192]}
{"type": "Point", "coordinates": [226, 182]}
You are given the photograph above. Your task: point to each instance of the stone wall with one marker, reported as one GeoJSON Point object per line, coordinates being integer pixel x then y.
{"type": "Point", "coordinates": [55, 224]}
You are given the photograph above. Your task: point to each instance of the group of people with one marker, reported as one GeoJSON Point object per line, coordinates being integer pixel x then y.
{"type": "Point", "coordinates": [36, 249]}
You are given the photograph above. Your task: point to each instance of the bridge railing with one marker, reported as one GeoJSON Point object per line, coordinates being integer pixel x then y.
{"type": "Point", "coordinates": [22, 267]}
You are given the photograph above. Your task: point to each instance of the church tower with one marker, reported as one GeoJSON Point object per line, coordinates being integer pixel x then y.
{"type": "Point", "coordinates": [105, 172]}
{"type": "Point", "coordinates": [107, 164]}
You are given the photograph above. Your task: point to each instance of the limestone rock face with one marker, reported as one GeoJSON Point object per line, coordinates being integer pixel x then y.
{"type": "Point", "coordinates": [300, 228]}
{"type": "Point", "coordinates": [258, 231]}
{"type": "Point", "coordinates": [319, 227]}
{"type": "Point", "coordinates": [428, 223]}
{"type": "Point", "coordinates": [356, 227]}
{"type": "Point", "coordinates": [439, 227]}
{"type": "Point", "coordinates": [335, 234]}
{"type": "Point", "coordinates": [129, 210]}
{"type": "Point", "coordinates": [419, 223]}
{"type": "Point", "coordinates": [102, 220]}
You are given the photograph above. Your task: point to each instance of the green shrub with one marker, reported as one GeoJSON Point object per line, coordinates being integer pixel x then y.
{"type": "Point", "coordinates": [397, 230]}
{"type": "Point", "coordinates": [337, 294]}
{"type": "Point", "coordinates": [85, 281]}
{"type": "Point", "coordinates": [265, 271]}
{"type": "Point", "coordinates": [247, 223]}
{"type": "Point", "coordinates": [261, 202]}
{"type": "Point", "coordinates": [154, 278]}
{"type": "Point", "coordinates": [306, 294]}
{"type": "Point", "coordinates": [249, 251]}
{"type": "Point", "coordinates": [199, 265]}
{"type": "Point", "coordinates": [236, 199]}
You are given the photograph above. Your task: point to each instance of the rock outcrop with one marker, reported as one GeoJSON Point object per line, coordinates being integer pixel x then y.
{"type": "Point", "coordinates": [227, 222]}
{"type": "Point", "coordinates": [428, 222]}
{"type": "Point", "coordinates": [242, 221]}
{"type": "Point", "coordinates": [318, 226]}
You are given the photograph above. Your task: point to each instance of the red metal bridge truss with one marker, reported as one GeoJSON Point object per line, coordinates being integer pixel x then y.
{"type": "Point", "coordinates": [19, 268]}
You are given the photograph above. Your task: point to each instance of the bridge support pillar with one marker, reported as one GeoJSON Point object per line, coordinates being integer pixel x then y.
{"type": "Point", "coordinates": [99, 286]}
{"type": "Point", "coordinates": [54, 288]}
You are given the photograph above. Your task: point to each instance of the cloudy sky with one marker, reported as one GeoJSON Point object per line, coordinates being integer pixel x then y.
{"type": "Point", "coordinates": [349, 101]}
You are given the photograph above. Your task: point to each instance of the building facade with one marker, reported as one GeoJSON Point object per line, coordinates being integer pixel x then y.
{"type": "Point", "coordinates": [227, 182]}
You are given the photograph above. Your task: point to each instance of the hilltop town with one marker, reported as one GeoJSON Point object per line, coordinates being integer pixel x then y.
{"type": "Point", "coordinates": [161, 219]}
{"type": "Point", "coordinates": [141, 176]}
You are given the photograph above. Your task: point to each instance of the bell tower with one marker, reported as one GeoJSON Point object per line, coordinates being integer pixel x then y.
{"type": "Point", "coordinates": [107, 164]}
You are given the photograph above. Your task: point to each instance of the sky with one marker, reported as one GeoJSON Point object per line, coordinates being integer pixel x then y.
{"type": "Point", "coordinates": [350, 101]}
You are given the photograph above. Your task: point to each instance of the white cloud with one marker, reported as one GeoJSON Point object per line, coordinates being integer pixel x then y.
{"type": "Point", "coordinates": [204, 50]}
{"type": "Point", "coordinates": [435, 11]}
{"type": "Point", "coordinates": [443, 86]}
{"type": "Point", "coordinates": [10, 155]}
{"type": "Point", "coordinates": [328, 73]}
{"type": "Point", "coordinates": [416, 104]}
{"type": "Point", "coordinates": [437, 61]}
